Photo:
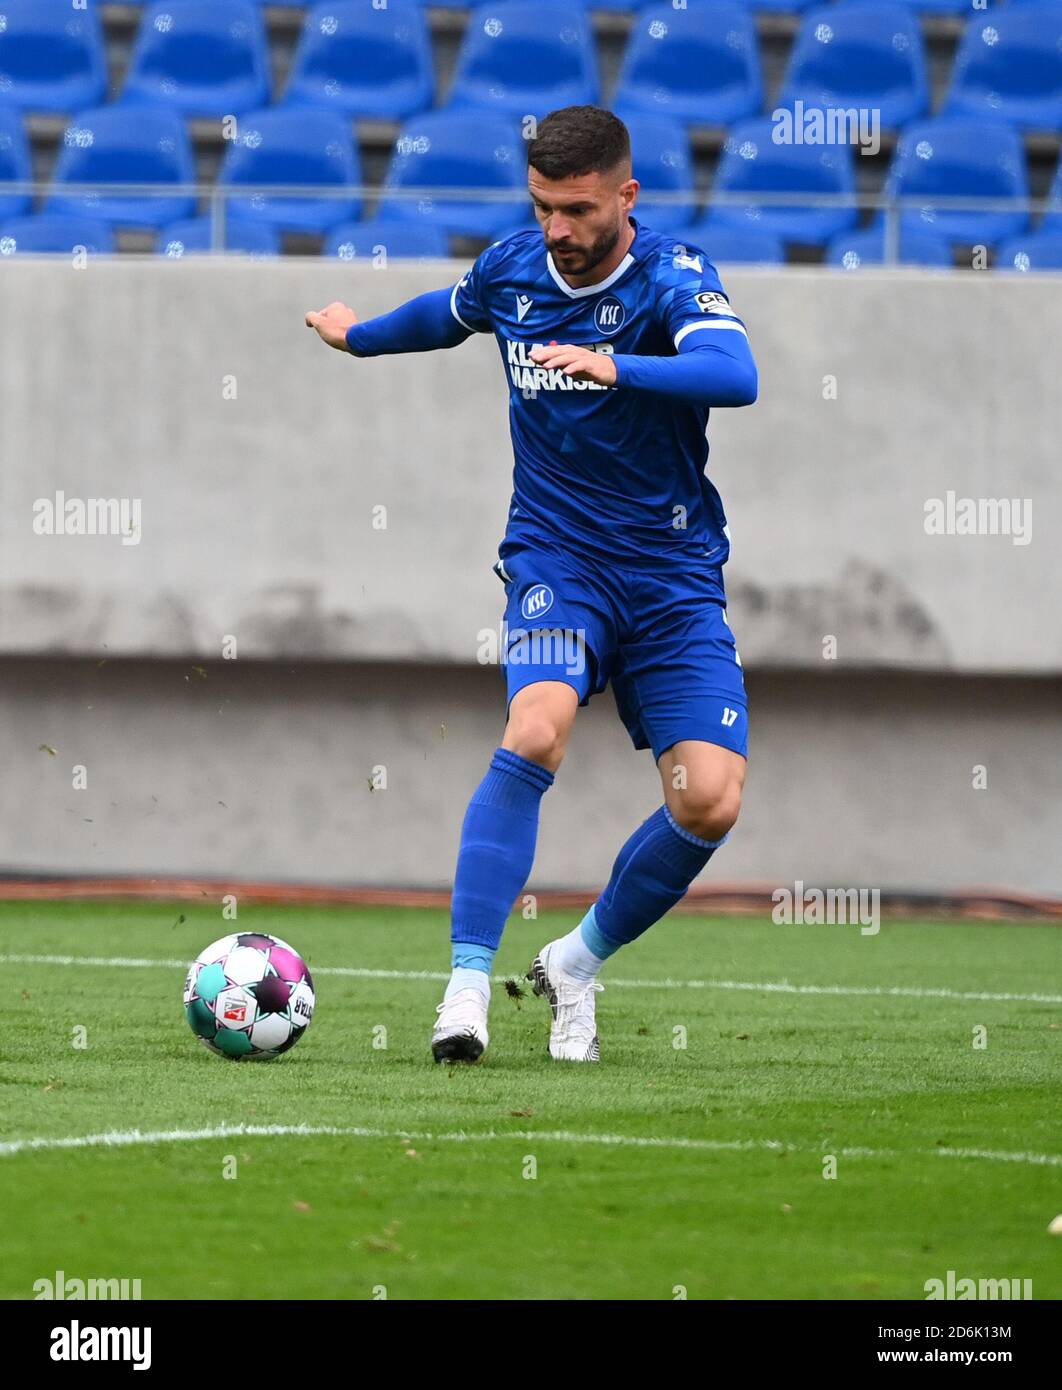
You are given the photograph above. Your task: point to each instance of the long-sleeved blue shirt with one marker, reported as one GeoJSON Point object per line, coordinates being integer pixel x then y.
{"type": "Point", "coordinates": [606, 468]}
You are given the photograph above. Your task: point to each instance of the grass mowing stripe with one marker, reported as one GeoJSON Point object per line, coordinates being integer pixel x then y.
{"type": "Point", "coordinates": [123, 1138]}
{"type": "Point", "coordinates": [753, 986]}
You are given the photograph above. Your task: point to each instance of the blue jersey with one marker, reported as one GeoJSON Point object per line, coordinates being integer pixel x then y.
{"type": "Point", "coordinates": [618, 473]}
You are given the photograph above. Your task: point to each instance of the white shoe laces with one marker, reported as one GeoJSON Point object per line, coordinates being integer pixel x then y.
{"type": "Point", "coordinates": [576, 1008]}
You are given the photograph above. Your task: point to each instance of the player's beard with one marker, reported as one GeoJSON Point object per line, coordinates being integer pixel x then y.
{"type": "Point", "coordinates": [592, 256]}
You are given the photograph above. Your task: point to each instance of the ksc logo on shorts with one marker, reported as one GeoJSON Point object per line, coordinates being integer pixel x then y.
{"type": "Point", "coordinates": [609, 315]}
{"type": "Point", "coordinates": [537, 600]}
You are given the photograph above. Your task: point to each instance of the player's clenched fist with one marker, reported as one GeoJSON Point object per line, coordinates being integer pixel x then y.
{"type": "Point", "coordinates": [580, 363]}
{"type": "Point", "coordinates": [332, 324]}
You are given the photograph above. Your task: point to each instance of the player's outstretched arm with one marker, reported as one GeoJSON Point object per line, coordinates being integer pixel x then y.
{"type": "Point", "coordinates": [713, 368]}
{"type": "Point", "coordinates": [421, 325]}
{"type": "Point", "coordinates": [712, 373]}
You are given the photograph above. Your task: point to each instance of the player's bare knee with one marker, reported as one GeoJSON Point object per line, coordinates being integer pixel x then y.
{"type": "Point", "coordinates": [708, 812]}
{"type": "Point", "coordinates": [538, 738]}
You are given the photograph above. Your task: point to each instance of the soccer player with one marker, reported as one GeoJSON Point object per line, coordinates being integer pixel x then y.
{"type": "Point", "coordinates": [617, 341]}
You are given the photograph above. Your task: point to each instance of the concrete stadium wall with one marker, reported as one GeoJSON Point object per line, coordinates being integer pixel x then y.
{"type": "Point", "coordinates": [259, 456]}
{"type": "Point", "coordinates": [856, 779]}
{"type": "Point", "coordinates": [257, 512]}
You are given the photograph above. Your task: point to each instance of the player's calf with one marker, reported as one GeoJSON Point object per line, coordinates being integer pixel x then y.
{"type": "Point", "coordinates": [494, 860]}
{"type": "Point", "coordinates": [652, 873]}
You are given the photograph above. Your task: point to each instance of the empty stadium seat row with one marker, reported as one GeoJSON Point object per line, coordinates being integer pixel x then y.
{"type": "Point", "coordinates": [700, 64]}
{"type": "Point", "coordinates": [381, 242]}
{"type": "Point", "coordinates": [776, 7]}
{"type": "Point", "coordinates": [312, 153]}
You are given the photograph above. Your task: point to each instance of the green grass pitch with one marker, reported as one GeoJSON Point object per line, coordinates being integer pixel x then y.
{"type": "Point", "coordinates": [520, 1177]}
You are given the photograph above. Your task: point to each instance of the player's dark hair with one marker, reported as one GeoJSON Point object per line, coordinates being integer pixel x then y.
{"type": "Point", "coordinates": [579, 140]}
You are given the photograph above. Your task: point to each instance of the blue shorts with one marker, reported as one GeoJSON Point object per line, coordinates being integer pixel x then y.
{"type": "Point", "coordinates": [661, 639]}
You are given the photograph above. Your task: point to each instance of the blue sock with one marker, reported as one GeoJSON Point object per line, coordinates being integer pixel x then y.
{"type": "Point", "coordinates": [594, 939]}
{"type": "Point", "coordinates": [497, 851]}
{"type": "Point", "coordinates": [652, 872]}
{"type": "Point", "coordinates": [464, 956]}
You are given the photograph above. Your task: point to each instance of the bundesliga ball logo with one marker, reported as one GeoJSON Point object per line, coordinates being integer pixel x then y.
{"type": "Point", "coordinates": [249, 997]}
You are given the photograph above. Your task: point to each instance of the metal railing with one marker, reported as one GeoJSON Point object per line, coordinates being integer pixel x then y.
{"type": "Point", "coordinates": [217, 197]}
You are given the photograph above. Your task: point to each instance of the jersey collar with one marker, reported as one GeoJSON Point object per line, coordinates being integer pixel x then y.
{"type": "Point", "coordinates": [584, 290]}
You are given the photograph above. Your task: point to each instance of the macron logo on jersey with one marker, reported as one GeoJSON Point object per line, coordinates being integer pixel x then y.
{"type": "Point", "coordinates": [527, 375]}
{"type": "Point", "coordinates": [523, 303]}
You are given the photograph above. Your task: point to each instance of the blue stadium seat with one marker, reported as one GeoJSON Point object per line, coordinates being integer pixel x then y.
{"type": "Point", "coordinates": [749, 244]}
{"type": "Point", "coordinates": [15, 165]}
{"type": "Point", "coordinates": [700, 65]}
{"type": "Point", "coordinates": [394, 241]}
{"type": "Point", "coordinates": [52, 56]}
{"type": "Point", "coordinates": [364, 61]}
{"type": "Point", "coordinates": [53, 234]}
{"type": "Point", "coordinates": [1053, 219]}
{"type": "Point", "coordinates": [866, 53]}
{"type": "Point", "coordinates": [662, 163]}
{"type": "Point", "coordinates": [526, 57]}
{"type": "Point", "coordinates": [194, 235]}
{"type": "Point", "coordinates": [779, 6]}
{"type": "Point", "coordinates": [125, 144]}
{"type": "Point", "coordinates": [1035, 251]}
{"type": "Point", "coordinates": [963, 8]}
{"type": "Point", "coordinates": [201, 57]}
{"type": "Point", "coordinates": [620, 6]}
{"type": "Point", "coordinates": [299, 146]}
{"type": "Point", "coordinates": [960, 157]}
{"type": "Point", "coordinates": [1009, 65]}
{"type": "Point", "coordinates": [530, 224]}
{"type": "Point", "coordinates": [458, 149]}
{"type": "Point", "coordinates": [617, 6]}
{"type": "Point", "coordinates": [753, 163]}
{"type": "Point", "coordinates": [854, 250]}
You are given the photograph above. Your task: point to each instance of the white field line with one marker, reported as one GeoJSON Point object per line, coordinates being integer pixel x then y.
{"type": "Point", "coordinates": [753, 986]}
{"type": "Point", "coordinates": [124, 1138]}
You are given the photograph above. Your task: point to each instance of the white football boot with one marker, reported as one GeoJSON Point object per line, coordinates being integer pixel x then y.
{"type": "Point", "coordinates": [461, 1031]}
{"type": "Point", "coordinates": [573, 1032]}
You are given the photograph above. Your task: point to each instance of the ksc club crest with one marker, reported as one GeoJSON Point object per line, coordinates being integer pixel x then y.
{"type": "Point", "coordinates": [537, 600]}
{"type": "Point", "coordinates": [609, 315]}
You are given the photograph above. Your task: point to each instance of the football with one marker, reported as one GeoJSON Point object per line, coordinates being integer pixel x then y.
{"type": "Point", "coordinates": [249, 997]}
